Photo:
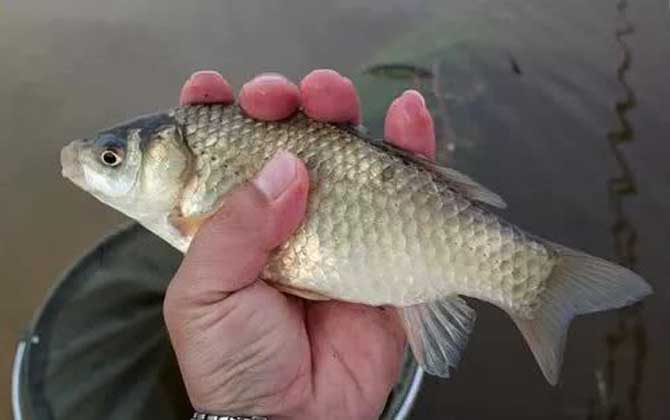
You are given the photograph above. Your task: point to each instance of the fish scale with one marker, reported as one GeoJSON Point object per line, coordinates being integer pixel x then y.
{"type": "Point", "coordinates": [370, 215]}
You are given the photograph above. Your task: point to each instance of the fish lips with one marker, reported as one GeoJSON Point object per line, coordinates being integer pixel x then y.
{"type": "Point", "coordinates": [71, 167]}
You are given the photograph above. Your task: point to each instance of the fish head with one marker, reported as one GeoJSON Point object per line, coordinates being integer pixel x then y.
{"type": "Point", "coordinates": [137, 167]}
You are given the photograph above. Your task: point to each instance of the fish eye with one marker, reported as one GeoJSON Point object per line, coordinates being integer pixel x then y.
{"type": "Point", "coordinates": [111, 157]}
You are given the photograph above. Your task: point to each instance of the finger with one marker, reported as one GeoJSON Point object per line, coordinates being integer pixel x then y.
{"type": "Point", "coordinates": [232, 247]}
{"type": "Point", "coordinates": [206, 87]}
{"type": "Point", "coordinates": [328, 96]}
{"type": "Point", "coordinates": [269, 97]}
{"type": "Point", "coordinates": [409, 124]}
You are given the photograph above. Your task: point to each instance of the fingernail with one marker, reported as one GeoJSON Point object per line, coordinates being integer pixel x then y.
{"type": "Point", "coordinates": [269, 77]}
{"type": "Point", "coordinates": [412, 106]}
{"type": "Point", "coordinates": [206, 73]}
{"type": "Point", "coordinates": [277, 175]}
{"type": "Point", "coordinates": [317, 72]}
{"type": "Point", "coordinates": [416, 94]}
{"type": "Point", "coordinates": [261, 81]}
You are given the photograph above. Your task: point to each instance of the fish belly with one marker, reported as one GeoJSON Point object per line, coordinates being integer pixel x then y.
{"type": "Point", "coordinates": [410, 248]}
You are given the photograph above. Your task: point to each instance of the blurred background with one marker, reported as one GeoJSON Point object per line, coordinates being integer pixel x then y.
{"type": "Point", "coordinates": [559, 106]}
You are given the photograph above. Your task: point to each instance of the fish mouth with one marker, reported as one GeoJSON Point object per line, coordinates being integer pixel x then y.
{"type": "Point", "coordinates": [71, 167]}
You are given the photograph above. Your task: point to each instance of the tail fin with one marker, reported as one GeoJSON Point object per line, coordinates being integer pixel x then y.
{"type": "Point", "coordinates": [579, 284]}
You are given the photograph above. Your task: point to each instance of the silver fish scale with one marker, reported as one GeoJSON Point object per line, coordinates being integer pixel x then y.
{"type": "Point", "coordinates": [379, 230]}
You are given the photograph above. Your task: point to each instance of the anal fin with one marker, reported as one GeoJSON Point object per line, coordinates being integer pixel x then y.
{"type": "Point", "coordinates": [438, 332]}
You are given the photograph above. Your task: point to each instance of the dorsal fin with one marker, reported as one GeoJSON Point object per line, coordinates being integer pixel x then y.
{"type": "Point", "coordinates": [456, 180]}
{"type": "Point", "coordinates": [467, 186]}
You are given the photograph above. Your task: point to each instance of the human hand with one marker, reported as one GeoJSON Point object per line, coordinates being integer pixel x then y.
{"type": "Point", "coordinates": [245, 348]}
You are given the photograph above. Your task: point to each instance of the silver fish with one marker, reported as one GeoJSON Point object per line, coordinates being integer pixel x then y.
{"type": "Point", "coordinates": [382, 228]}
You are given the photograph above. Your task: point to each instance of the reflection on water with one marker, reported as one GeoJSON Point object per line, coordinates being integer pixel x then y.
{"type": "Point", "coordinates": [630, 332]}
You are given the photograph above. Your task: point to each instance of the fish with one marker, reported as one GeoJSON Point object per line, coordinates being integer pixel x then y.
{"type": "Point", "coordinates": [383, 227]}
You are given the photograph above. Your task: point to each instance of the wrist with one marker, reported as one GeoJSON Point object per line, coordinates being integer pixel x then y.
{"type": "Point", "coordinates": [206, 416]}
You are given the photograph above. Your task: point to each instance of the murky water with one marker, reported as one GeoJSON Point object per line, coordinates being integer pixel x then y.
{"type": "Point", "coordinates": [559, 106]}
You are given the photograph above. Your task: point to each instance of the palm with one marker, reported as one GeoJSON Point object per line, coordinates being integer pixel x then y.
{"type": "Point", "coordinates": [356, 351]}
{"type": "Point", "coordinates": [301, 355]}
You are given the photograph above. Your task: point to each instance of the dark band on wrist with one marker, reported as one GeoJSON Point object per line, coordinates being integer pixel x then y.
{"type": "Point", "coordinates": [204, 416]}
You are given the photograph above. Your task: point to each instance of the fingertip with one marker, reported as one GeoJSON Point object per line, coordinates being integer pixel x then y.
{"type": "Point", "coordinates": [409, 125]}
{"type": "Point", "coordinates": [356, 113]}
{"type": "Point", "coordinates": [269, 97]}
{"type": "Point", "coordinates": [206, 87]}
{"type": "Point", "coordinates": [328, 96]}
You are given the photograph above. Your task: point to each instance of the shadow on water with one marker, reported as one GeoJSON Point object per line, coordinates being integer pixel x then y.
{"type": "Point", "coordinates": [630, 330]}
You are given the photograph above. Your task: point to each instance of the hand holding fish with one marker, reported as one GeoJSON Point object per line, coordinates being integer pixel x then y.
{"type": "Point", "coordinates": [379, 226]}
{"type": "Point", "coordinates": [243, 346]}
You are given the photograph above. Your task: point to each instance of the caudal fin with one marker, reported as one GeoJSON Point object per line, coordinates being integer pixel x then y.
{"type": "Point", "coordinates": [579, 284]}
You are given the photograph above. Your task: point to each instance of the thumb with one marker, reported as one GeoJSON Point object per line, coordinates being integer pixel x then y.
{"type": "Point", "coordinates": [231, 248]}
